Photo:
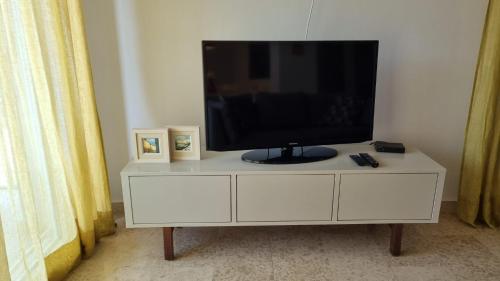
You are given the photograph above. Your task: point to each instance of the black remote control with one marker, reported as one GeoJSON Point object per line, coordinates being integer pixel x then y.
{"type": "Point", "coordinates": [369, 159]}
{"type": "Point", "coordinates": [359, 160]}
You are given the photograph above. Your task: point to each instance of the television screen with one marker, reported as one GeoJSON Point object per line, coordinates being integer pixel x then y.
{"type": "Point", "coordinates": [268, 94]}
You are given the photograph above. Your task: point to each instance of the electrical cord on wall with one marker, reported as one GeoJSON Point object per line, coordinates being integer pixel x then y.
{"type": "Point", "coordinates": [309, 19]}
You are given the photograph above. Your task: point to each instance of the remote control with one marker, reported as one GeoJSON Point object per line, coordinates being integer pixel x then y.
{"type": "Point", "coordinates": [369, 159]}
{"type": "Point", "coordinates": [359, 160]}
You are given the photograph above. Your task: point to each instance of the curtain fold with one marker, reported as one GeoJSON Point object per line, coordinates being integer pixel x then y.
{"type": "Point", "coordinates": [4, 264]}
{"type": "Point", "coordinates": [479, 194]}
{"type": "Point", "coordinates": [54, 194]}
{"type": "Point", "coordinates": [59, 263]}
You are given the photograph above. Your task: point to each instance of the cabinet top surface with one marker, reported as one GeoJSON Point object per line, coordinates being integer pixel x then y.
{"type": "Point", "coordinates": [220, 163]}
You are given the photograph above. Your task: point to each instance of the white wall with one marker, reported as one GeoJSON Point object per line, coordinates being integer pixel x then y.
{"type": "Point", "coordinates": [146, 58]}
{"type": "Point", "coordinates": [102, 38]}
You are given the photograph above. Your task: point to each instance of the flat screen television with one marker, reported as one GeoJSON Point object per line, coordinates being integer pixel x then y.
{"type": "Point", "coordinates": [286, 95]}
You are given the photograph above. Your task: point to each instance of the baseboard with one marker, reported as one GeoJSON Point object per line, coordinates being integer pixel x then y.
{"type": "Point", "coordinates": [117, 207]}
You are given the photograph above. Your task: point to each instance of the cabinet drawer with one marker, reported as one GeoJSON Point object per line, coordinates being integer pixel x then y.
{"type": "Point", "coordinates": [263, 198]}
{"type": "Point", "coordinates": [180, 199]}
{"type": "Point", "coordinates": [386, 196]}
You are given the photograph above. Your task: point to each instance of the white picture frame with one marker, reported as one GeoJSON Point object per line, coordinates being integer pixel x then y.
{"type": "Point", "coordinates": [184, 142]}
{"type": "Point", "coordinates": [151, 145]}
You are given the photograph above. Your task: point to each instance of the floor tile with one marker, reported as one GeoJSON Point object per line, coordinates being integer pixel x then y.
{"type": "Point", "coordinates": [449, 250]}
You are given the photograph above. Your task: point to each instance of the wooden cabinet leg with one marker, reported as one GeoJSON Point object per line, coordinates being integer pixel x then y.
{"type": "Point", "coordinates": [396, 236]}
{"type": "Point", "coordinates": [168, 243]}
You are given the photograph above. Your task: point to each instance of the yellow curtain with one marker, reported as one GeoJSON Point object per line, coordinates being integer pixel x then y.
{"type": "Point", "coordinates": [4, 265]}
{"type": "Point", "coordinates": [479, 196]}
{"type": "Point", "coordinates": [54, 193]}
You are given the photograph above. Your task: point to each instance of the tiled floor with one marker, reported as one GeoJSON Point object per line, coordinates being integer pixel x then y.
{"type": "Point", "coordinates": [449, 250]}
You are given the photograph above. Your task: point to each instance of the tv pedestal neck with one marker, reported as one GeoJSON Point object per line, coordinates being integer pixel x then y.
{"type": "Point", "coordinates": [289, 155]}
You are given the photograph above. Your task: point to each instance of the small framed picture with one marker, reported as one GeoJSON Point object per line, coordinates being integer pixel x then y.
{"type": "Point", "coordinates": [184, 142]}
{"type": "Point", "coordinates": [151, 145]}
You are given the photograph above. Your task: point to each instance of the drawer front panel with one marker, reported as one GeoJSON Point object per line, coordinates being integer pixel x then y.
{"type": "Point", "coordinates": [386, 196]}
{"type": "Point", "coordinates": [180, 199]}
{"type": "Point", "coordinates": [284, 197]}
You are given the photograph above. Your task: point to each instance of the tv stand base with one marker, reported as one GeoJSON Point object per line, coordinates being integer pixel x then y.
{"type": "Point", "coordinates": [168, 243]}
{"type": "Point", "coordinates": [396, 237]}
{"type": "Point", "coordinates": [394, 248]}
{"type": "Point", "coordinates": [289, 155]}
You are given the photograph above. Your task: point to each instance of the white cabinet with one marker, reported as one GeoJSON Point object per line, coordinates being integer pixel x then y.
{"type": "Point", "coordinates": [386, 196]}
{"type": "Point", "coordinates": [222, 190]}
{"type": "Point", "coordinates": [268, 198]}
{"type": "Point", "coordinates": [180, 199]}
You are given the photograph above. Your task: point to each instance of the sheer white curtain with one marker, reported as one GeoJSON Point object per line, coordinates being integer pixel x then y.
{"type": "Point", "coordinates": [37, 217]}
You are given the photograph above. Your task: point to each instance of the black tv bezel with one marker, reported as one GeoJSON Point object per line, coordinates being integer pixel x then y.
{"type": "Point", "coordinates": [322, 142]}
